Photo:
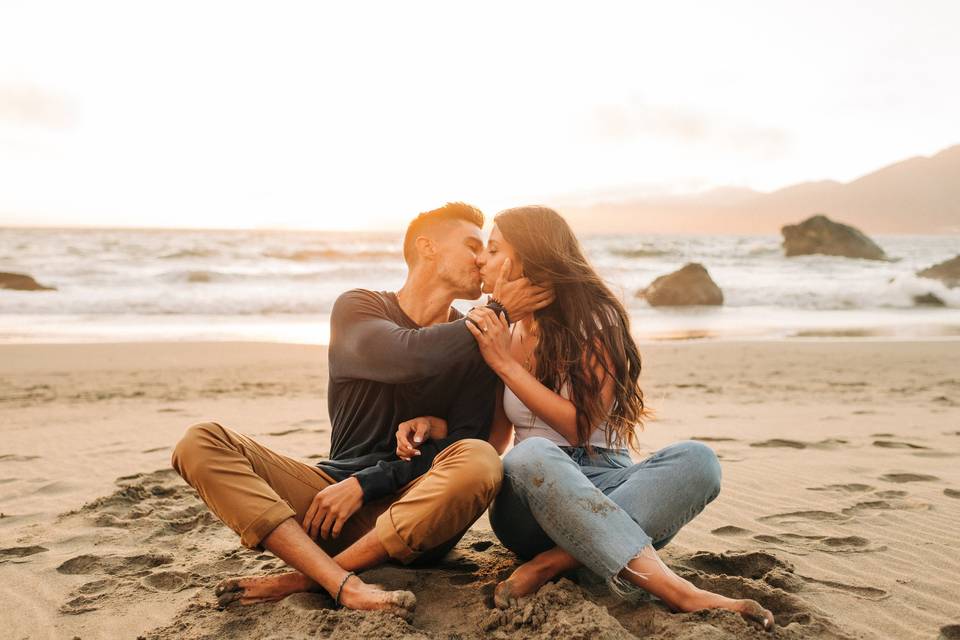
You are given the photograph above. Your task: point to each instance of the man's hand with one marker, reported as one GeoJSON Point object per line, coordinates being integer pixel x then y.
{"type": "Point", "coordinates": [413, 433]}
{"type": "Point", "coordinates": [332, 507]}
{"type": "Point", "coordinates": [520, 297]}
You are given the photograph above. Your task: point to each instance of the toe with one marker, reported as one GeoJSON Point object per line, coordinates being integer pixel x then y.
{"type": "Point", "coordinates": [225, 586]}
{"type": "Point", "coordinates": [754, 612]}
{"type": "Point", "coordinates": [229, 597]}
{"type": "Point", "coordinates": [502, 595]}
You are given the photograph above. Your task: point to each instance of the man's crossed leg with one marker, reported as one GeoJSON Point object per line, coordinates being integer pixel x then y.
{"type": "Point", "coordinates": [264, 496]}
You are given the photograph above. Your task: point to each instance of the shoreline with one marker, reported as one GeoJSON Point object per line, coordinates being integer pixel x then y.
{"type": "Point", "coordinates": [929, 325]}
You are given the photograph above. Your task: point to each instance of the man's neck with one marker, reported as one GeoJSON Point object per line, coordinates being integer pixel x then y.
{"type": "Point", "coordinates": [424, 301]}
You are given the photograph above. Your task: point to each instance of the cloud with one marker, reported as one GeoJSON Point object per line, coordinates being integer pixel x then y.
{"type": "Point", "coordinates": [637, 120]}
{"type": "Point", "coordinates": [28, 105]}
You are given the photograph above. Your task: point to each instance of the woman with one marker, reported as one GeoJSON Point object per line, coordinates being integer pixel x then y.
{"type": "Point", "coordinates": [571, 494]}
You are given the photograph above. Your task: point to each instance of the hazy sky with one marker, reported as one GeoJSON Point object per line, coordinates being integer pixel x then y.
{"type": "Point", "coordinates": [360, 114]}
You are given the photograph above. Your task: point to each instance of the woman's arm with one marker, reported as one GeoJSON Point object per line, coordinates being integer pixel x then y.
{"type": "Point", "coordinates": [557, 411]}
{"type": "Point", "coordinates": [501, 431]}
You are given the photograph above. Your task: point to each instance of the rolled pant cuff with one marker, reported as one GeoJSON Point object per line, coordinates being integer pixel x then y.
{"type": "Point", "coordinates": [391, 540]}
{"type": "Point", "coordinates": [266, 522]}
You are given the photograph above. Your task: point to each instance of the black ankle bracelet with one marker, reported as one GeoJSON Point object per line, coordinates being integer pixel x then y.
{"type": "Point", "coordinates": [340, 589]}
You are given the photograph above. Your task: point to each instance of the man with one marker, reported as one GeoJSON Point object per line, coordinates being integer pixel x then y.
{"type": "Point", "coordinates": [402, 366]}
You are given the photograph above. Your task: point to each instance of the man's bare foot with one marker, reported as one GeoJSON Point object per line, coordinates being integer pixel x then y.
{"type": "Point", "coordinates": [357, 594]}
{"type": "Point", "coordinates": [257, 589]}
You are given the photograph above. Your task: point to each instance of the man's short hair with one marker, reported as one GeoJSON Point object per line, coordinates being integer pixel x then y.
{"type": "Point", "coordinates": [449, 211]}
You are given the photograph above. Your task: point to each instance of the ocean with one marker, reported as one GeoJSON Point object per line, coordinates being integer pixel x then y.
{"type": "Point", "coordinates": [123, 285]}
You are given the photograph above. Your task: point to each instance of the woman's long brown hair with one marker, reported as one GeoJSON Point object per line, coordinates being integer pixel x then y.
{"type": "Point", "coordinates": [586, 326]}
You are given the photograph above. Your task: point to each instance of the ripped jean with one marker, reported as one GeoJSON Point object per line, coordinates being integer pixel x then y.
{"type": "Point", "coordinates": [603, 510]}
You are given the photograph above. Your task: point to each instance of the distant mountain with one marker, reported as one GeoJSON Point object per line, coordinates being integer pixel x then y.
{"type": "Point", "coordinates": [918, 195]}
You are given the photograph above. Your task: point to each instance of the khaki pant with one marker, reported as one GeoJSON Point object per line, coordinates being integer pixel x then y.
{"type": "Point", "coordinates": [253, 489]}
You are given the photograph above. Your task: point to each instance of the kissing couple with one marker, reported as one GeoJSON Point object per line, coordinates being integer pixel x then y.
{"type": "Point", "coordinates": [423, 403]}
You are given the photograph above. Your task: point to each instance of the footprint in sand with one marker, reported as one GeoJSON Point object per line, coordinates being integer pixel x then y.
{"type": "Point", "coordinates": [892, 493]}
{"type": "Point", "coordinates": [113, 565]}
{"type": "Point", "coordinates": [82, 604]}
{"type": "Point", "coordinates": [713, 439]}
{"type": "Point", "coordinates": [20, 552]}
{"type": "Point", "coordinates": [751, 564]}
{"type": "Point", "coordinates": [860, 591]}
{"type": "Point", "coordinates": [885, 505]}
{"type": "Point", "coordinates": [908, 477]}
{"type": "Point", "coordinates": [951, 493]}
{"type": "Point", "coordinates": [95, 587]}
{"type": "Point", "coordinates": [167, 581]}
{"type": "Point", "coordinates": [793, 542]}
{"type": "Point", "coordinates": [829, 443]}
{"type": "Point", "coordinates": [12, 457]}
{"type": "Point", "coordinates": [795, 517]}
{"type": "Point", "coordinates": [780, 443]}
{"type": "Point", "coordinates": [853, 487]}
{"type": "Point", "coordinates": [894, 444]}
{"type": "Point", "coordinates": [286, 432]}
{"type": "Point", "coordinates": [730, 530]}
{"type": "Point", "coordinates": [155, 449]}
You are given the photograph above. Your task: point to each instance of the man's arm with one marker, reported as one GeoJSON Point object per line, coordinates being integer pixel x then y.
{"type": "Point", "coordinates": [364, 344]}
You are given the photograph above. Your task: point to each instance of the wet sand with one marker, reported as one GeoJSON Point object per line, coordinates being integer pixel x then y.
{"type": "Point", "coordinates": [840, 507]}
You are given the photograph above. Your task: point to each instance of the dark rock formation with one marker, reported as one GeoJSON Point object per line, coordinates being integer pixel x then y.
{"type": "Point", "coordinates": [21, 282]}
{"type": "Point", "coordinates": [928, 300]}
{"type": "Point", "coordinates": [948, 272]}
{"type": "Point", "coordinates": [820, 234]}
{"type": "Point", "coordinates": [691, 285]}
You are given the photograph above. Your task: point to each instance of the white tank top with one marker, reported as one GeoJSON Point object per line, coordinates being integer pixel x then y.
{"type": "Point", "coordinates": [528, 425]}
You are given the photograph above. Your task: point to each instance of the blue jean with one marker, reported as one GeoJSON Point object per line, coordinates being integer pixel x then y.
{"type": "Point", "coordinates": [602, 509]}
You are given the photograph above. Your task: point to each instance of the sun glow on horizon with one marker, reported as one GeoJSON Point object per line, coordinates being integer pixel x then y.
{"type": "Point", "coordinates": [207, 115]}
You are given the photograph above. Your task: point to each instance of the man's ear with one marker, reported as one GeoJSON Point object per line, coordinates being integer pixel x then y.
{"type": "Point", "coordinates": [426, 247]}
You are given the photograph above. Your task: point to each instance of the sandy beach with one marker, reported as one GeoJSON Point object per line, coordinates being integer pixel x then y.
{"type": "Point", "coordinates": [839, 511]}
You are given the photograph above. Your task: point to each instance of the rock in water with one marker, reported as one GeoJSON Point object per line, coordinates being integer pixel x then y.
{"type": "Point", "coordinates": [948, 272]}
{"type": "Point", "coordinates": [691, 285]}
{"type": "Point", "coordinates": [928, 300]}
{"type": "Point", "coordinates": [820, 234]}
{"type": "Point", "coordinates": [21, 282]}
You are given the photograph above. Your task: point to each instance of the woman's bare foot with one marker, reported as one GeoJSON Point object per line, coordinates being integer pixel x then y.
{"type": "Point", "coordinates": [257, 589]}
{"type": "Point", "coordinates": [531, 575]}
{"type": "Point", "coordinates": [752, 611]}
{"type": "Point", "coordinates": [648, 572]}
